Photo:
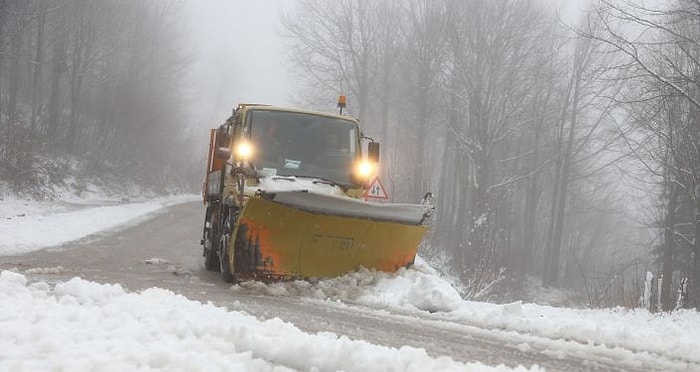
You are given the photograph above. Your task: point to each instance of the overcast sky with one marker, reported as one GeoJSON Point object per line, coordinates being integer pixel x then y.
{"type": "Point", "coordinates": [239, 54]}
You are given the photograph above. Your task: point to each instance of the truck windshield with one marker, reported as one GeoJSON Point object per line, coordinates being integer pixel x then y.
{"type": "Point", "coordinates": [300, 144]}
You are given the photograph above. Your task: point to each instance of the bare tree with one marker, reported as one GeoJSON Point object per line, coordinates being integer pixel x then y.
{"type": "Point", "coordinates": [95, 80]}
{"type": "Point", "coordinates": [335, 47]}
{"type": "Point", "coordinates": [663, 58]}
{"type": "Point", "coordinates": [489, 104]}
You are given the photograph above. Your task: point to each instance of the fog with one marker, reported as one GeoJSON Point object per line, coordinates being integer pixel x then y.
{"type": "Point", "coordinates": [238, 55]}
{"type": "Point", "coordinates": [436, 82]}
{"type": "Point", "coordinates": [527, 133]}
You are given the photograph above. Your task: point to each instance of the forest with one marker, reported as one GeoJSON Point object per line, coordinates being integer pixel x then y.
{"type": "Point", "coordinates": [564, 153]}
{"type": "Point", "coordinates": [567, 151]}
{"type": "Point", "coordinates": [93, 85]}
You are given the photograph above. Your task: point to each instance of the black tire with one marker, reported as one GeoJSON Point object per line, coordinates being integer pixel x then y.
{"type": "Point", "coordinates": [224, 264]}
{"type": "Point", "coordinates": [211, 258]}
{"type": "Point", "coordinates": [243, 257]}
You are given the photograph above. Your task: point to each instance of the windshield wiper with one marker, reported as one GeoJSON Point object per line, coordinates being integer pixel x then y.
{"type": "Point", "coordinates": [315, 181]}
{"type": "Point", "coordinates": [283, 177]}
{"type": "Point", "coordinates": [325, 181]}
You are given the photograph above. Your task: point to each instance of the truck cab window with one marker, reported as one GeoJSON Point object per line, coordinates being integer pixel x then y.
{"type": "Point", "coordinates": [301, 144]}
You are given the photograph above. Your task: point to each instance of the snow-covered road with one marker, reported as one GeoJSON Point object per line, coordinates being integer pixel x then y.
{"type": "Point", "coordinates": [362, 321]}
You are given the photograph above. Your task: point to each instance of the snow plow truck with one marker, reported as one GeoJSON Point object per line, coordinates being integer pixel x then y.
{"type": "Point", "coordinates": [284, 192]}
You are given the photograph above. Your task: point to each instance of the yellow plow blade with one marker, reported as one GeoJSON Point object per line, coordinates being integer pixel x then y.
{"type": "Point", "coordinates": [306, 235]}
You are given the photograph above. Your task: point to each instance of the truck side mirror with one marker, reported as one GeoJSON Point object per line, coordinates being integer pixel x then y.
{"type": "Point", "coordinates": [223, 139]}
{"type": "Point", "coordinates": [373, 152]}
{"type": "Point", "coordinates": [223, 153]}
{"type": "Point", "coordinates": [223, 143]}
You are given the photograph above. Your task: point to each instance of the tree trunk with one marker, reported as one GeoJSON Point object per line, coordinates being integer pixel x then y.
{"type": "Point", "coordinates": [557, 238]}
{"type": "Point", "coordinates": [695, 279]}
{"type": "Point", "coordinates": [419, 151]}
{"type": "Point", "coordinates": [480, 203]}
{"type": "Point", "coordinates": [13, 96]}
{"type": "Point", "coordinates": [564, 157]}
{"type": "Point", "coordinates": [532, 190]}
{"type": "Point", "coordinates": [3, 15]}
{"type": "Point", "coordinates": [668, 248]}
{"type": "Point", "coordinates": [530, 211]}
{"type": "Point", "coordinates": [76, 83]}
{"type": "Point", "coordinates": [449, 197]}
{"type": "Point", "coordinates": [548, 261]}
{"type": "Point", "coordinates": [57, 68]}
{"type": "Point", "coordinates": [384, 95]}
{"type": "Point", "coordinates": [38, 62]}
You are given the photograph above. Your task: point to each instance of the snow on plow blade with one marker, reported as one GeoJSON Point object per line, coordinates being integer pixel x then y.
{"type": "Point", "coordinates": [308, 235]}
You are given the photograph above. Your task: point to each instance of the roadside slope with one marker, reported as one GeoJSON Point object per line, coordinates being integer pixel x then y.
{"type": "Point", "coordinates": [30, 226]}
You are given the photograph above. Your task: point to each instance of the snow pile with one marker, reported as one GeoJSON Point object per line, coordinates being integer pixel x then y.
{"type": "Point", "coordinates": [30, 226]}
{"type": "Point", "coordinates": [81, 325]}
{"type": "Point", "coordinates": [675, 336]}
{"type": "Point", "coordinates": [432, 294]}
{"type": "Point", "coordinates": [158, 261]}
{"type": "Point", "coordinates": [45, 270]}
{"type": "Point", "coordinates": [418, 288]}
{"type": "Point", "coordinates": [290, 183]}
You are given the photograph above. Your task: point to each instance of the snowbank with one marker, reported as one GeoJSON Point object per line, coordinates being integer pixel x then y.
{"type": "Point", "coordinates": [674, 336]}
{"type": "Point", "coordinates": [81, 325]}
{"type": "Point", "coordinates": [29, 226]}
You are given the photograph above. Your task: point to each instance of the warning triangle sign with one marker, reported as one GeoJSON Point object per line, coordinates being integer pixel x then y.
{"type": "Point", "coordinates": [376, 190]}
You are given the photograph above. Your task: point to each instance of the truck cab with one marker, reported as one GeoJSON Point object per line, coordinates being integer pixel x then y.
{"type": "Point", "coordinates": [271, 141]}
{"type": "Point", "coordinates": [268, 149]}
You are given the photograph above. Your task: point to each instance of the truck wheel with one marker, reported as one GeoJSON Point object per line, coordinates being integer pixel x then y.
{"type": "Point", "coordinates": [211, 259]}
{"type": "Point", "coordinates": [224, 264]}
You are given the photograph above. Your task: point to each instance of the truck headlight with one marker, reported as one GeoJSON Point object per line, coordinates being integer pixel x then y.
{"type": "Point", "coordinates": [244, 150]}
{"type": "Point", "coordinates": [364, 169]}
